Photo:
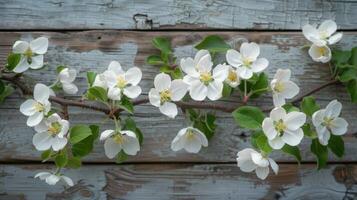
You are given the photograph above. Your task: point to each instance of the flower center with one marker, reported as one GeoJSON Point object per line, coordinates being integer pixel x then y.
{"type": "Point", "coordinates": [279, 87]}
{"type": "Point", "coordinates": [280, 127]}
{"type": "Point", "coordinates": [247, 62]}
{"type": "Point", "coordinates": [232, 76]}
{"type": "Point", "coordinates": [206, 77]}
{"type": "Point", "coordinates": [39, 107]}
{"type": "Point", "coordinates": [165, 96]}
{"type": "Point", "coordinates": [190, 135]}
{"type": "Point", "coordinates": [55, 128]}
{"type": "Point", "coordinates": [121, 82]}
{"type": "Point", "coordinates": [322, 51]}
{"type": "Point", "coordinates": [327, 121]}
{"type": "Point", "coordinates": [28, 53]}
{"type": "Point", "coordinates": [118, 138]}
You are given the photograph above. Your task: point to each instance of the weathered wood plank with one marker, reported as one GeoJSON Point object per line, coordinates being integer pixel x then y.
{"type": "Point", "coordinates": [93, 50]}
{"type": "Point", "coordinates": [181, 181]}
{"type": "Point", "coordinates": [182, 14]}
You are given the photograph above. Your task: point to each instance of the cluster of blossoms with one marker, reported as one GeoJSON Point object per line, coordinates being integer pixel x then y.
{"type": "Point", "coordinates": [201, 80]}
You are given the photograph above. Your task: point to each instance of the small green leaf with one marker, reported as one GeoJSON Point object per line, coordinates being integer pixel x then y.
{"type": "Point", "coordinates": [126, 105]}
{"type": "Point", "coordinates": [339, 56]}
{"type": "Point", "coordinates": [46, 155]}
{"type": "Point", "coordinates": [121, 157]}
{"type": "Point", "coordinates": [308, 132]}
{"type": "Point", "coordinates": [260, 86]}
{"type": "Point", "coordinates": [260, 141]}
{"type": "Point", "coordinates": [91, 78]}
{"type": "Point", "coordinates": [7, 92]}
{"type": "Point", "coordinates": [131, 125]}
{"type": "Point", "coordinates": [60, 68]}
{"type": "Point", "coordinates": [210, 121]}
{"type": "Point", "coordinates": [321, 153]}
{"type": "Point", "coordinates": [74, 163]}
{"type": "Point", "coordinates": [309, 105]}
{"type": "Point", "coordinates": [163, 44]}
{"type": "Point", "coordinates": [290, 108]}
{"type": "Point", "coordinates": [12, 61]}
{"type": "Point", "coordinates": [292, 150]}
{"type": "Point", "coordinates": [79, 133]}
{"type": "Point", "coordinates": [61, 159]}
{"type": "Point", "coordinates": [176, 73]}
{"type": "Point", "coordinates": [353, 58]}
{"type": "Point", "coordinates": [214, 44]}
{"type": "Point", "coordinates": [227, 90]}
{"type": "Point", "coordinates": [99, 93]}
{"type": "Point", "coordinates": [85, 146]}
{"type": "Point", "coordinates": [348, 75]}
{"type": "Point", "coordinates": [2, 87]}
{"type": "Point", "coordinates": [352, 90]}
{"type": "Point", "coordinates": [249, 117]}
{"type": "Point", "coordinates": [154, 60]}
{"type": "Point", "coordinates": [336, 145]}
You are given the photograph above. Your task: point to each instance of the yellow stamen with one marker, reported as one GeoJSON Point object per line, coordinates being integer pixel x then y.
{"type": "Point", "coordinates": [280, 126]}
{"type": "Point", "coordinates": [327, 121]}
{"type": "Point", "coordinates": [118, 138]}
{"type": "Point", "coordinates": [247, 62]}
{"type": "Point", "coordinates": [232, 76]}
{"type": "Point", "coordinates": [322, 51]}
{"type": "Point", "coordinates": [190, 135]}
{"type": "Point", "coordinates": [39, 107]}
{"type": "Point", "coordinates": [279, 87]}
{"type": "Point", "coordinates": [29, 54]}
{"type": "Point", "coordinates": [165, 96]}
{"type": "Point", "coordinates": [121, 82]}
{"type": "Point", "coordinates": [55, 128]}
{"type": "Point", "coordinates": [206, 77]}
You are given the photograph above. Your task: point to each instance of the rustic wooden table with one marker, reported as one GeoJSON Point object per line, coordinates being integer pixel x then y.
{"type": "Point", "coordinates": [88, 34]}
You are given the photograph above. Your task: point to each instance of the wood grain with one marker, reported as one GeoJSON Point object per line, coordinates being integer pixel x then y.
{"type": "Point", "coordinates": [93, 50]}
{"type": "Point", "coordinates": [181, 181]}
{"type": "Point", "coordinates": [164, 14]}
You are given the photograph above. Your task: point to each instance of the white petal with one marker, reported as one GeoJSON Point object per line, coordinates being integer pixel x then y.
{"type": "Point", "coordinates": [269, 129]}
{"type": "Point", "coordinates": [323, 135]}
{"type": "Point", "coordinates": [42, 175]}
{"type": "Point", "coordinates": [205, 64]}
{"type": "Point", "coordinates": [276, 143]}
{"type": "Point", "coordinates": [131, 145]}
{"type": "Point", "coordinates": [244, 160]}
{"type": "Point", "coordinates": [202, 137]}
{"type": "Point", "coordinates": [244, 72]}
{"type": "Point", "coordinates": [274, 166]}
{"type": "Point", "coordinates": [20, 47]}
{"type": "Point", "coordinates": [41, 127]}
{"type": "Point", "coordinates": [41, 92]}
{"type": "Point", "coordinates": [169, 109]}
{"type": "Point", "coordinates": [34, 119]}
{"type": "Point", "coordinates": [278, 99]}
{"type": "Point", "coordinates": [64, 129]}
{"type": "Point", "coordinates": [259, 160]}
{"type": "Point", "coordinates": [154, 97]}
{"type": "Point", "coordinates": [42, 141]}
{"type": "Point", "coordinates": [37, 62]}
{"type": "Point", "coordinates": [294, 120]}
{"type": "Point", "coordinates": [198, 91]}
{"type": "Point", "coordinates": [178, 142]}
{"type": "Point", "coordinates": [339, 126]}
{"type": "Point", "coordinates": [105, 134]}
{"type": "Point", "coordinates": [333, 109]}
{"type": "Point", "coordinates": [320, 53]}
{"type": "Point", "coordinates": [188, 66]}
{"type": "Point", "coordinates": [58, 143]}
{"type": "Point", "coordinates": [259, 65]}
{"type": "Point", "coordinates": [318, 117]}
{"type": "Point", "coordinates": [132, 91]}
{"type": "Point", "coordinates": [328, 26]}
{"type": "Point", "coordinates": [193, 145]}
{"type": "Point", "coordinates": [199, 55]}
{"type": "Point", "coordinates": [290, 89]}
{"type": "Point", "coordinates": [52, 179]}
{"type": "Point", "coordinates": [250, 50]}
{"type": "Point", "coordinates": [100, 81]}
{"type": "Point", "coordinates": [69, 88]}
{"type": "Point", "coordinates": [310, 33]}
{"type": "Point", "coordinates": [67, 180]}
{"type": "Point", "coordinates": [114, 93]}
{"type": "Point", "coordinates": [115, 67]}
{"type": "Point", "coordinates": [220, 72]}
{"type": "Point", "coordinates": [162, 82]}
{"type": "Point", "coordinates": [27, 108]}
{"type": "Point", "coordinates": [133, 75]}
{"type": "Point", "coordinates": [214, 91]}
{"type": "Point", "coordinates": [282, 75]}
{"type": "Point", "coordinates": [262, 172]}
{"type": "Point", "coordinates": [22, 66]}
{"type": "Point", "coordinates": [234, 58]}
{"type": "Point", "coordinates": [67, 75]}
{"type": "Point", "coordinates": [39, 45]}
{"type": "Point", "coordinates": [277, 113]}
{"type": "Point", "coordinates": [111, 148]}
{"type": "Point", "coordinates": [335, 38]}
{"type": "Point", "coordinates": [293, 138]}
{"type": "Point", "coordinates": [178, 89]}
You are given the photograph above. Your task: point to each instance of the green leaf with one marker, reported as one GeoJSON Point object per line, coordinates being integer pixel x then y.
{"type": "Point", "coordinates": [61, 159]}
{"type": "Point", "coordinates": [214, 44]}
{"type": "Point", "coordinates": [308, 132]}
{"type": "Point", "coordinates": [339, 56]}
{"type": "Point", "coordinates": [227, 90]}
{"type": "Point", "coordinates": [79, 133]}
{"type": "Point", "coordinates": [130, 124]}
{"type": "Point", "coordinates": [260, 141]}
{"type": "Point", "coordinates": [260, 86]}
{"type": "Point", "coordinates": [60, 68]}
{"type": "Point", "coordinates": [321, 153]}
{"type": "Point", "coordinates": [210, 122]}
{"type": "Point", "coordinates": [46, 155]}
{"type": "Point", "coordinates": [126, 105]}
{"type": "Point", "coordinates": [249, 117]}
{"type": "Point", "coordinates": [121, 157]}
{"type": "Point", "coordinates": [348, 75]}
{"type": "Point", "coordinates": [292, 150]}
{"type": "Point", "coordinates": [12, 61]}
{"type": "Point", "coordinates": [74, 163]}
{"type": "Point", "coordinates": [163, 44]}
{"type": "Point", "coordinates": [154, 60]}
{"type": "Point", "coordinates": [336, 145]}
{"type": "Point", "coordinates": [353, 58]}
{"type": "Point", "coordinates": [7, 92]}
{"type": "Point", "coordinates": [91, 78]}
{"type": "Point", "coordinates": [85, 146]}
{"type": "Point", "coordinates": [2, 86]}
{"type": "Point", "coordinates": [176, 73]}
{"type": "Point", "coordinates": [99, 93]}
{"type": "Point", "coordinates": [204, 122]}
{"type": "Point", "coordinates": [309, 105]}
{"type": "Point", "coordinates": [290, 108]}
{"type": "Point", "coordinates": [352, 90]}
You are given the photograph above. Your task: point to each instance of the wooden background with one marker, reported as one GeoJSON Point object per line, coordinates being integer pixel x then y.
{"type": "Point", "coordinates": [88, 34]}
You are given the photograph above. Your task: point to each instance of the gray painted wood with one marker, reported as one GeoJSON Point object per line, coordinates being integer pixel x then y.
{"type": "Point", "coordinates": [181, 181]}
{"type": "Point", "coordinates": [93, 50]}
{"type": "Point", "coordinates": [179, 14]}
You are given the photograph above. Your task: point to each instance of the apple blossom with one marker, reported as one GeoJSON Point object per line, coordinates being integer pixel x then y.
{"type": "Point", "coordinates": [38, 107]}
{"type": "Point", "coordinates": [232, 79]}
{"type": "Point", "coordinates": [31, 53]}
{"type": "Point", "coordinates": [166, 91]}
{"type": "Point", "coordinates": [249, 160]}
{"type": "Point", "coordinates": [191, 139]}
{"type": "Point", "coordinates": [282, 87]}
{"type": "Point", "coordinates": [115, 141]}
{"type": "Point", "coordinates": [246, 61]}
{"type": "Point", "coordinates": [66, 77]}
{"type": "Point", "coordinates": [51, 133]}
{"type": "Point", "coordinates": [120, 82]}
{"type": "Point", "coordinates": [52, 179]}
{"type": "Point", "coordinates": [320, 53]}
{"type": "Point", "coordinates": [100, 81]}
{"type": "Point", "coordinates": [202, 82]}
{"type": "Point", "coordinates": [323, 35]}
{"type": "Point", "coordinates": [327, 122]}
{"type": "Point", "coordinates": [282, 127]}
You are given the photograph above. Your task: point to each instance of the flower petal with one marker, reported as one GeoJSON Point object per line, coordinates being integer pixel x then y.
{"type": "Point", "coordinates": [115, 67]}
{"type": "Point", "coordinates": [294, 120]}
{"type": "Point", "coordinates": [328, 27]}
{"type": "Point", "coordinates": [67, 75]}
{"type": "Point", "coordinates": [28, 107]}
{"type": "Point", "coordinates": [42, 175]}
{"type": "Point", "coordinates": [259, 65]}
{"type": "Point", "coordinates": [244, 72]}
{"type": "Point", "coordinates": [318, 117]}
{"type": "Point", "coordinates": [335, 38]}
{"type": "Point", "coordinates": [178, 142]}
{"type": "Point", "coordinates": [198, 91]}
{"type": "Point", "coordinates": [259, 160]}
{"type": "Point", "coordinates": [162, 82]}
{"type": "Point", "coordinates": [269, 129]}
{"type": "Point", "coordinates": [105, 134]}
{"type": "Point", "coordinates": [290, 89]}
{"type": "Point", "coordinates": [37, 62]}
{"type": "Point", "coordinates": [132, 91]}
{"type": "Point", "coordinates": [22, 66]}
{"type": "Point", "coordinates": [114, 93]}
{"type": "Point", "coordinates": [199, 55]}
{"type": "Point", "coordinates": [58, 143]}
{"type": "Point", "coordinates": [39, 45]}
{"type": "Point", "coordinates": [178, 89]}
{"type": "Point", "coordinates": [69, 88]}
{"type": "Point", "coordinates": [34, 119]}
{"type": "Point", "coordinates": [205, 64]}
{"type": "Point", "coordinates": [310, 33]}
{"type": "Point", "coordinates": [41, 127]}
{"type": "Point", "coordinates": [339, 126]}
{"type": "Point", "coordinates": [214, 91]}
{"type": "Point", "coordinates": [277, 113]}
{"type": "Point", "coordinates": [278, 99]}
{"type": "Point", "coordinates": [276, 143]}
{"type": "Point", "coordinates": [41, 93]}
{"type": "Point", "coordinates": [52, 179]}
{"type": "Point", "coordinates": [333, 109]}
{"type": "Point", "coordinates": [293, 138]}
{"type": "Point", "coordinates": [20, 47]}
{"type": "Point", "coordinates": [133, 75]}
{"type": "Point", "coordinates": [67, 180]}
{"type": "Point", "coordinates": [262, 172]}
{"type": "Point", "coordinates": [154, 97]}
{"type": "Point", "coordinates": [131, 145]}
{"type": "Point", "coordinates": [320, 53]}
{"type": "Point", "coordinates": [323, 135]}
{"type": "Point", "coordinates": [193, 145]}
{"type": "Point", "coordinates": [250, 50]}
{"type": "Point", "coordinates": [188, 66]}
{"type": "Point", "coordinates": [42, 141]}
{"type": "Point", "coordinates": [274, 166]}
{"type": "Point", "coordinates": [234, 58]}
{"type": "Point", "coordinates": [111, 148]}
{"type": "Point", "coordinates": [169, 109]}
{"type": "Point", "coordinates": [220, 72]}
{"type": "Point", "coordinates": [282, 75]}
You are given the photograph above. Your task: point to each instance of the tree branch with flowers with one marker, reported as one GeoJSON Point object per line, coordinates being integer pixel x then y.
{"type": "Point", "coordinates": [185, 85]}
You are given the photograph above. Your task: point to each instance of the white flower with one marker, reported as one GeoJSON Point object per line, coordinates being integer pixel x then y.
{"type": "Point", "coordinates": [115, 141]}
{"type": "Point", "coordinates": [203, 83]}
{"type": "Point", "coordinates": [66, 77]}
{"type": "Point", "coordinates": [282, 87]}
{"type": "Point", "coordinates": [323, 35]}
{"type": "Point", "coordinates": [232, 79]}
{"type": "Point", "coordinates": [320, 53]}
{"type": "Point", "coordinates": [249, 160]}
{"type": "Point", "coordinates": [38, 107]}
{"type": "Point", "coordinates": [327, 122]}
{"type": "Point", "coordinates": [120, 82]}
{"type": "Point", "coordinates": [246, 61]}
{"type": "Point", "coordinates": [282, 127]}
{"type": "Point", "coordinates": [166, 91]}
{"type": "Point", "coordinates": [100, 81]}
{"type": "Point", "coordinates": [51, 132]}
{"type": "Point", "coordinates": [31, 53]}
{"type": "Point", "coordinates": [52, 179]}
{"type": "Point", "coordinates": [191, 139]}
